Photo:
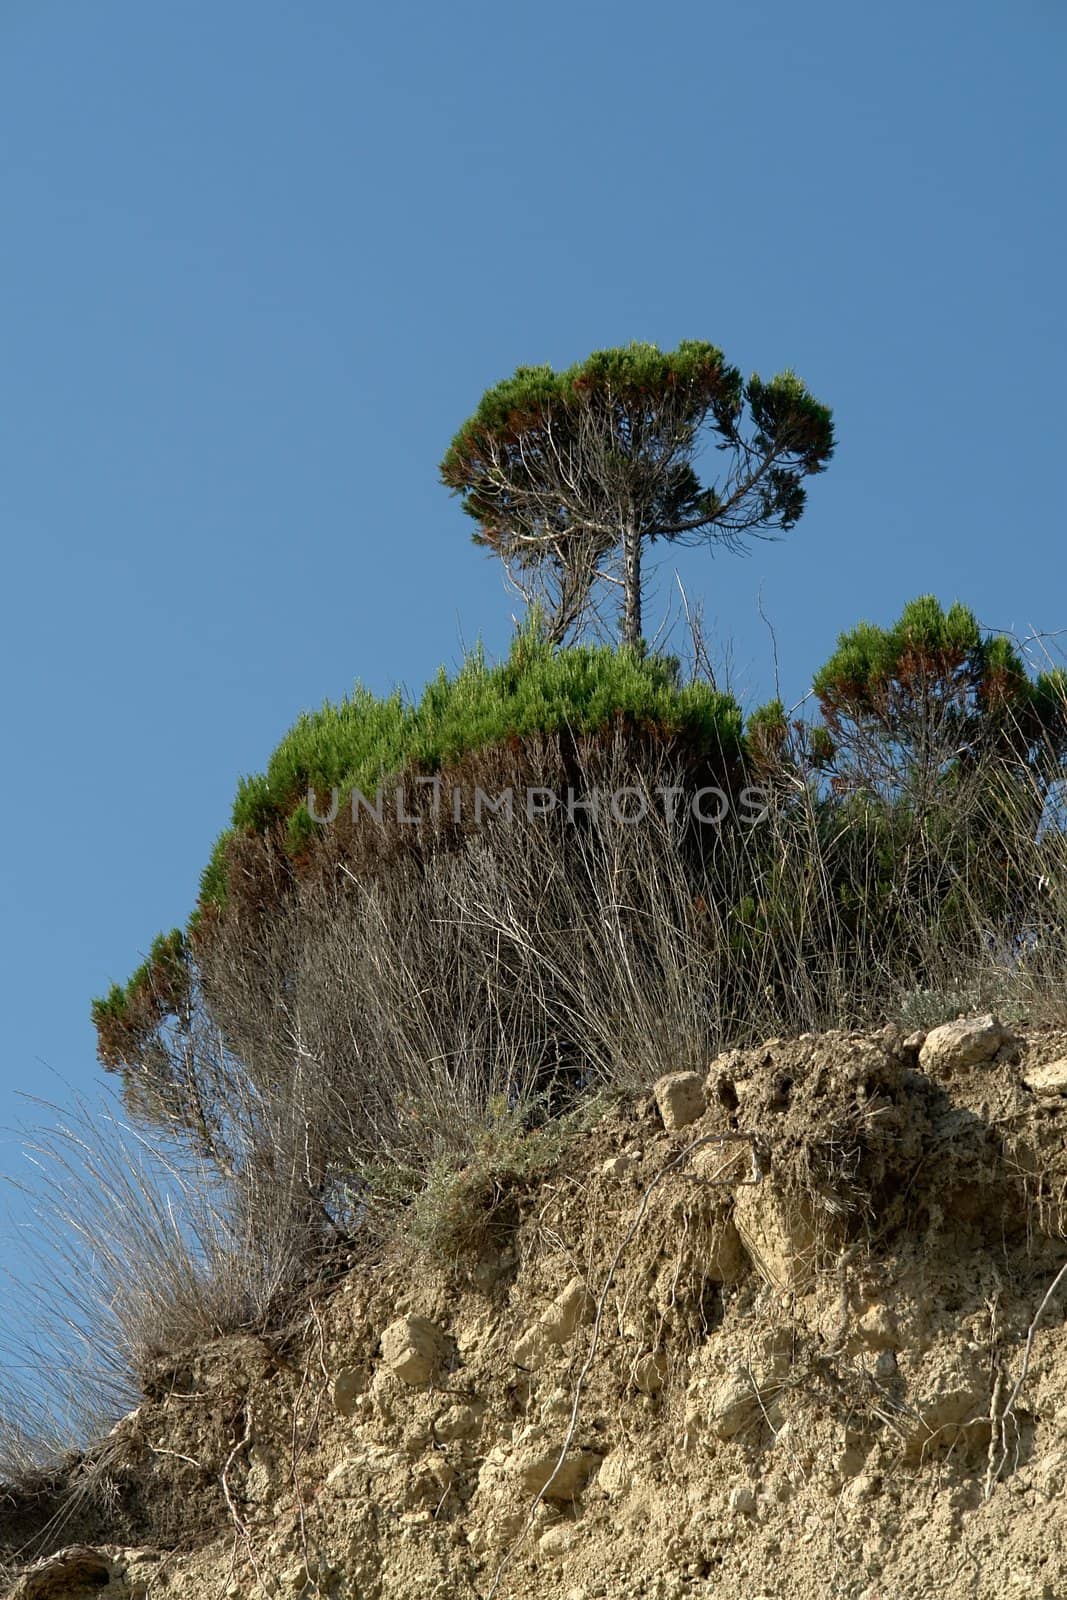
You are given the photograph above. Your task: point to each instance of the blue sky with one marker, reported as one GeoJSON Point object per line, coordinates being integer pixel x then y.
{"type": "Point", "coordinates": [259, 261]}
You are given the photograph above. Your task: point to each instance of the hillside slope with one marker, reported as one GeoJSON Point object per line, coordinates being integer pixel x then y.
{"type": "Point", "coordinates": [794, 1329]}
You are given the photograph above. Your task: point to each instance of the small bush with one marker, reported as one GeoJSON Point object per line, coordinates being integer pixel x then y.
{"type": "Point", "coordinates": [456, 1210]}
{"type": "Point", "coordinates": [929, 1008]}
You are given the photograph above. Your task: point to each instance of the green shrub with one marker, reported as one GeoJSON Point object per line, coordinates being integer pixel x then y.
{"type": "Point", "coordinates": [537, 690]}
{"type": "Point", "coordinates": [130, 1013]}
{"type": "Point", "coordinates": [366, 740]}
{"type": "Point", "coordinates": [456, 1209]}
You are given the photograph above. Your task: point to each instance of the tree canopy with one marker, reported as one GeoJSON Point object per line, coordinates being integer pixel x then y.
{"type": "Point", "coordinates": [569, 474]}
{"type": "Point", "coordinates": [931, 694]}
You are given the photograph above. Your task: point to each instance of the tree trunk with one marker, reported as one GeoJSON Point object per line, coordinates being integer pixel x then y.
{"type": "Point", "coordinates": [631, 574]}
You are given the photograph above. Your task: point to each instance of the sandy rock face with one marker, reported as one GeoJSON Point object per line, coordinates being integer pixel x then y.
{"type": "Point", "coordinates": [348, 1385]}
{"type": "Point", "coordinates": [650, 1372]}
{"type": "Point", "coordinates": [681, 1099]}
{"type": "Point", "coordinates": [777, 1233]}
{"type": "Point", "coordinates": [459, 1422]}
{"type": "Point", "coordinates": [68, 1573]}
{"type": "Point", "coordinates": [801, 1387]}
{"type": "Point", "coordinates": [736, 1406]}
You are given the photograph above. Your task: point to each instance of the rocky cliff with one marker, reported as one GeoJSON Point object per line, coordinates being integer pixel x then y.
{"type": "Point", "coordinates": [795, 1328]}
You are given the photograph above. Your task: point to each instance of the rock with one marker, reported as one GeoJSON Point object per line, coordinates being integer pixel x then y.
{"type": "Point", "coordinates": [863, 1487]}
{"type": "Point", "coordinates": [1049, 1079]}
{"type": "Point", "coordinates": [570, 1309]}
{"type": "Point", "coordinates": [536, 1471]}
{"type": "Point", "coordinates": [618, 1166]}
{"type": "Point", "coordinates": [955, 1402]}
{"type": "Point", "coordinates": [557, 1540]}
{"type": "Point", "coordinates": [352, 1475]}
{"type": "Point", "coordinates": [459, 1422]}
{"type": "Point", "coordinates": [262, 1482]}
{"type": "Point", "coordinates": [735, 1407]}
{"type": "Point", "coordinates": [74, 1571]}
{"type": "Point", "coordinates": [680, 1098]}
{"type": "Point", "coordinates": [348, 1385]}
{"type": "Point", "coordinates": [885, 1366]}
{"type": "Point", "coordinates": [960, 1044]}
{"type": "Point", "coordinates": [650, 1372]}
{"type": "Point", "coordinates": [533, 1349]}
{"type": "Point", "coordinates": [412, 1348]}
{"type": "Point", "coordinates": [743, 1500]}
{"type": "Point", "coordinates": [726, 1261]}
{"type": "Point", "coordinates": [877, 1329]}
{"type": "Point", "coordinates": [778, 1235]}
{"type": "Point", "coordinates": [616, 1475]}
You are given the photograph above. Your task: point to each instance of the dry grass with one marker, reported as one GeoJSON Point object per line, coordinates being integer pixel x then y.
{"type": "Point", "coordinates": [137, 1250]}
{"type": "Point", "coordinates": [395, 1038]}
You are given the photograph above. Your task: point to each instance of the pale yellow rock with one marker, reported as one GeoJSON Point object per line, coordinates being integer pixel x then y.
{"type": "Point", "coordinates": [537, 1474]}
{"type": "Point", "coordinates": [78, 1569]}
{"type": "Point", "coordinates": [557, 1540]}
{"type": "Point", "coordinates": [953, 1401]}
{"type": "Point", "coordinates": [411, 1349]}
{"type": "Point", "coordinates": [650, 1372]}
{"type": "Point", "coordinates": [681, 1099]}
{"type": "Point", "coordinates": [262, 1480]}
{"type": "Point", "coordinates": [616, 1474]}
{"type": "Point", "coordinates": [532, 1350]}
{"type": "Point", "coordinates": [1050, 1079]}
{"type": "Point", "coordinates": [960, 1044]}
{"type": "Point", "coordinates": [725, 1259]}
{"type": "Point", "coordinates": [348, 1385]}
{"type": "Point", "coordinates": [618, 1166]}
{"type": "Point", "coordinates": [568, 1311]}
{"type": "Point", "coordinates": [863, 1487]}
{"type": "Point", "coordinates": [556, 1327]}
{"type": "Point", "coordinates": [743, 1500]}
{"type": "Point", "coordinates": [878, 1329]}
{"type": "Point", "coordinates": [459, 1422]}
{"type": "Point", "coordinates": [350, 1475]}
{"type": "Point", "coordinates": [776, 1232]}
{"type": "Point", "coordinates": [735, 1407]}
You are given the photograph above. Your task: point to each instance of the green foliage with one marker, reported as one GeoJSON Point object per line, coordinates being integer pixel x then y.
{"type": "Point", "coordinates": [766, 733]}
{"type": "Point", "coordinates": [926, 645]}
{"type": "Point", "coordinates": [927, 697]}
{"type": "Point", "coordinates": [459, 1206]}
{"type": "Point", "coordinates": [925, 789]}
{"type": "Point", "coordinates": [567, 470]}
{"type": "Point", "coordinates": [129, 1013]}
{"type": "Point", "coordinates": [351, 745]}
{"type": "Point", "coordinates": [366, 741]}
{"type": "Point", "coordinates": [537, 690]}
{"type": "Point", "coordinates": [630, 379]}
{"type": "Point", "coordinates": [213, 877]}
{"type": "Point", "coordinates": [901, 839]}
{"type": "Point", "coordinates": [929, 1008]}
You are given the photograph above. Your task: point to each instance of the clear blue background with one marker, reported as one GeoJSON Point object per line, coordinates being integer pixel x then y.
{"type": "Point", "coordinates": [258, 260]}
